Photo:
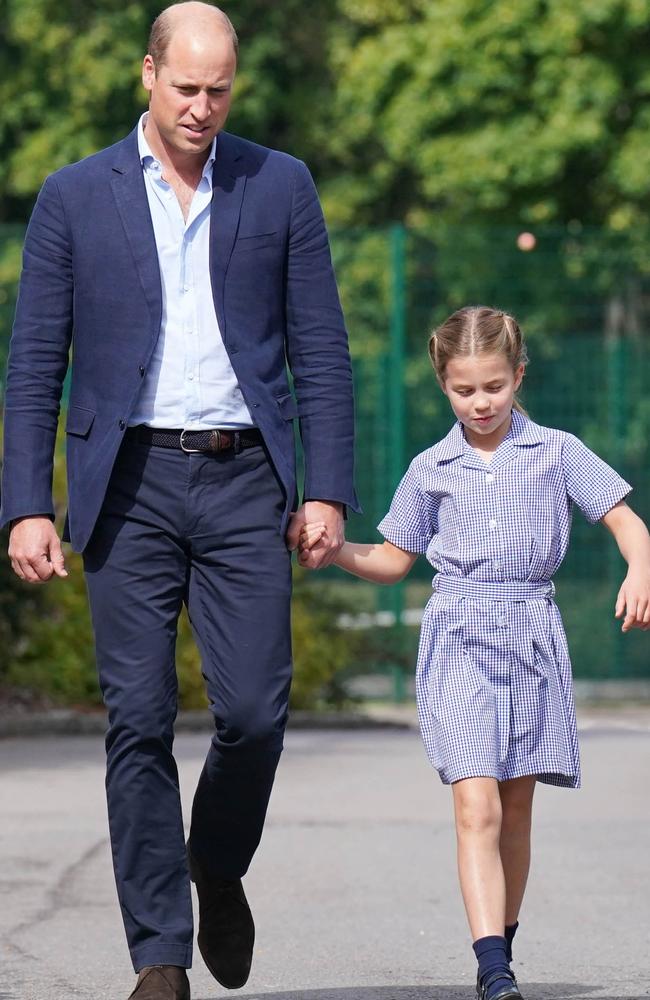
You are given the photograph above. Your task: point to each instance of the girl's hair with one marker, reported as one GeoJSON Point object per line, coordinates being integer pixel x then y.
{"type": "Point", "coordinates": [477, 330]}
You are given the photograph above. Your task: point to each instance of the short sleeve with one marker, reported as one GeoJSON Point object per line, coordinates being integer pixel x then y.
{"type": "Point", "coordinates": [412, 520]}
{"type": "Point", "coordinates": [592, 484]}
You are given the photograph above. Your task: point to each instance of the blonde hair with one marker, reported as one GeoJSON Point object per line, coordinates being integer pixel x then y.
{"type": "Point", "coordinates": [477, 330]}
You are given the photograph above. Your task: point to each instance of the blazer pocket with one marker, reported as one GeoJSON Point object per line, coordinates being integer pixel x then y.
{"type": "Point", "coordinates": [257, 242]}
{"type": "Point", "coordinates": [79, 420]}
{"type": "Point", "coordinates": [288, 407]}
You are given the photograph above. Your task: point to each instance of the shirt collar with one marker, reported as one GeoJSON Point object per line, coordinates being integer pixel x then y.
{"type": "Point", "coordinates": [147, 158]}
{"type": "Point", "coordinates": [522, 432]}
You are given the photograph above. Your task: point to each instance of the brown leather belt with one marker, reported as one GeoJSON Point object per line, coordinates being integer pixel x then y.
{"type": "Point", "coordinates": [210, 441]}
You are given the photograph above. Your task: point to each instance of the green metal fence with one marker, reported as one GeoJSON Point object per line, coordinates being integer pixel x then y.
{"type": "Point", "coordinates": [583, 300]}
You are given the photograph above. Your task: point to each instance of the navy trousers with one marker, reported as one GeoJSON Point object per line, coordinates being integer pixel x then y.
{"type": "Point", "coordinates": [203, 530]}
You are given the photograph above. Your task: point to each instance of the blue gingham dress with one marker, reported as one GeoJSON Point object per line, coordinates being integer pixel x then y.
{"type": "Point", "coordinates": [494, 685]}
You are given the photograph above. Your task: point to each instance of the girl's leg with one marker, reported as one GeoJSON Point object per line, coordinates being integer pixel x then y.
{"type": "Point", "coordinates": [516, 806]}
{"type": "Point", "coordinates": [477, 805]}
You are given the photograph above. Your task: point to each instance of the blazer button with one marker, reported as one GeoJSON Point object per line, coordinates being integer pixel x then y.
{"type": "Point", "coordinates": [141, 370]}
{"type": "Point", "coordinates": [122, 425]}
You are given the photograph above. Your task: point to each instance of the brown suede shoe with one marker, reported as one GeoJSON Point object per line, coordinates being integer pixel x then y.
{"type": "Point", "coordinates": [226, 929]}
{"type": "Point", "coordinates": [162, 982]}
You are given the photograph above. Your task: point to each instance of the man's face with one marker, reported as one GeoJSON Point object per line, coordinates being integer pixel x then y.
{"type": "Point", "coordinates": [190, 92]}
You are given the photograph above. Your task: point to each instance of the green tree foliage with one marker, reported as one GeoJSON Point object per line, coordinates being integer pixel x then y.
{"type": "Point", "coordinates": [531, 111]}
{"type": "Point", "coordinates": [47, 646]}
{"type": "Point", "coordinates": [70, 82]}
{"type": "Point", "coordinates": [519, 110]}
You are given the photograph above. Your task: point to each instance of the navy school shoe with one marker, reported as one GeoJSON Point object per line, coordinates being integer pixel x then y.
{"type": "Point", "coordinates": [510, 992]}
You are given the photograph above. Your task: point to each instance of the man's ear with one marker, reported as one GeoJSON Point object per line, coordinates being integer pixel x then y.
{"type": "Point", "coordinates": [148, 72]}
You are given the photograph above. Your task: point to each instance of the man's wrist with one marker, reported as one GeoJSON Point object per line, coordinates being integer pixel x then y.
{"type": "Point", "coordinates": [27, 517]}
{"type": "Point", "coordinates": [337, 504]}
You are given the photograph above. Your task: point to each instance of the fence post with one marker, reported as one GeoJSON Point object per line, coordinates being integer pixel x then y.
{"type": "Point", "coordinates": [616, 355]}
{"type": "Point", "coordinates": [397, 409]}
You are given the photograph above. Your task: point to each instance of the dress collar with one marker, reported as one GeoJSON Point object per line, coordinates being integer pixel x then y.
{"type": "Point", "coordinates": [523, 432]}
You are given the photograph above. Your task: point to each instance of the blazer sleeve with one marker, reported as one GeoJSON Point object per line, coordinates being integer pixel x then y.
{"type": "Point", "coordinates": [317, 351]}
{"type": "Point", "coordinates": [38, 360]}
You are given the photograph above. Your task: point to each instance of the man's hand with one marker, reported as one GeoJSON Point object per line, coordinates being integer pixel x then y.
{"type": "Point", "coordinates": [35, 550]}
{"type": "Point", "coordinates": [324, 551]}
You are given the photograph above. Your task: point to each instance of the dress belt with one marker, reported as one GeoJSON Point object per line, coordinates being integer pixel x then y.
{"type": "Point", "coordinates": [200, 442]}
{"type": "Point", "coordinates": [494, 590]}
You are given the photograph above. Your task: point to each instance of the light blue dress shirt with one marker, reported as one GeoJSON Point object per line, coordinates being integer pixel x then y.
{"type": "Point", "coordinates": [190, 382]}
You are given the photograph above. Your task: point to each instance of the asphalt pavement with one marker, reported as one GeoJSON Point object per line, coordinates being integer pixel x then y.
{"type": "Point", "coordinates": [354, 888]}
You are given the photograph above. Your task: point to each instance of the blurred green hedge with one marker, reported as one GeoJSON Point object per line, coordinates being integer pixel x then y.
{"type": "Point", "coordinates": [46, 642]}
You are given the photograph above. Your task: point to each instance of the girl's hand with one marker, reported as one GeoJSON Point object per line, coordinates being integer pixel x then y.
{"type": "Point", "coordinates": [633, 601]}
{"type": "Point", "coordinates": [310, 534]}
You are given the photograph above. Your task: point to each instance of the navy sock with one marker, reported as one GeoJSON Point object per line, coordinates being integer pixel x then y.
{"type": "Point", "coordinates": [492, 959]}
{"type": "Point", "coordinates": [511, 930]}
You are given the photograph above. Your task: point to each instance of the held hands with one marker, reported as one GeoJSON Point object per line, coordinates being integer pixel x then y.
{"type": "Point", "coordinates": [324, 536]}
{"type": "Point", "coordinates": [310, 535]}
{"type": "Point", "coordinates": [35, 550]}
{"type": "Point", "coordinates": [633, 601]}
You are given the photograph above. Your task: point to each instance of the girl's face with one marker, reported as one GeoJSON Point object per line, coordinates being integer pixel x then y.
{"type": "Point", "coordinates": [481, 389]}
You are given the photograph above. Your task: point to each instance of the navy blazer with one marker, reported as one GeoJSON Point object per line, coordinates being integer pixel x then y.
{"type": "Point", "coordinates": [91, 281]}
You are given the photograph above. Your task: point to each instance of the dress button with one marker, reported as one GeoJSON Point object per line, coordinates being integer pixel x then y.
{"type": "Point", "coordinates": [493, 524]}
{"type": "Point", "coordinates": [497, 565]}
{"type": "Point", "coordinates": [489, 477]}
{"type": "Point", "coordinates": [502, 620]}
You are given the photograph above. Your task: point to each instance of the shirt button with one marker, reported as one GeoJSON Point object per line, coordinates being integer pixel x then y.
{"type": "Point", "coordinates": [502, 620]}
{"type": "Point", "coordinates": [489, 478]}
{"type": "Point", "coordinates": [191, 376]}
{"type": "Point", "coordinates": [493, 524]}
{"type": "Point", "coordinates": [186, 288]}
{"type": "Point", "coordinates": [497, 565]}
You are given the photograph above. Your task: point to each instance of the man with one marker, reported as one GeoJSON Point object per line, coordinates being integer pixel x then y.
{"type": "Point", "coordinates": [186, 267]}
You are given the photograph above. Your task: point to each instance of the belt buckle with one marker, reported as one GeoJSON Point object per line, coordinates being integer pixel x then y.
{"type": "Point", "coordinates": [189, 451]}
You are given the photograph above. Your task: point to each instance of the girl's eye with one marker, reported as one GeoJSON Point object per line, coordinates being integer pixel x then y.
{"type": "Point", "coordinates": [495, 388]}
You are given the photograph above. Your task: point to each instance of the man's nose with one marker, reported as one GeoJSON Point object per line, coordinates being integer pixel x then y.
{"type": "Point", "coordinates": [200, 106]}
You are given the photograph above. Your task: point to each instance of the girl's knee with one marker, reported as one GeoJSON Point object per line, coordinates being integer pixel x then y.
{"type": "Point", "coordinates": [517, 802]}
{"type": "Point", "coordinates": [477, 807]}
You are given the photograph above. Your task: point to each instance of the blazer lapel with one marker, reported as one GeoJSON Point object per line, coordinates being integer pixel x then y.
{"type": "Point", "coordinates": [228, 183]}
{"type": "Point", "coordinates": [131, 198]}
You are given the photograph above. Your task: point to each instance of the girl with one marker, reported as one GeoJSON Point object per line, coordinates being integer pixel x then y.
{"type": "Point", "coordinates": [491, 505]}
